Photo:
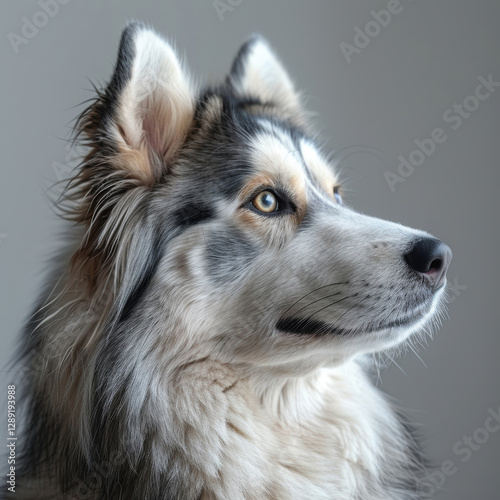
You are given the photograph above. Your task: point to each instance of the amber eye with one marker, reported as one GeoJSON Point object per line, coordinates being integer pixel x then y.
{"type": "Point", "coordinates": [265, 202]}
{"type": "Point", "coordinates": [336, 195]}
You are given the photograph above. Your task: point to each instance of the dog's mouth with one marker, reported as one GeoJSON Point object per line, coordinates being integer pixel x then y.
{"type": "Point", "coordinates": [311, 326]}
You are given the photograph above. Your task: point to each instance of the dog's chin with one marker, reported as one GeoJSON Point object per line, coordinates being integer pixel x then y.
{"type": "Point", "coordinates": [395, 333]}
{"type": "Point", "coordinates": [392, 336]}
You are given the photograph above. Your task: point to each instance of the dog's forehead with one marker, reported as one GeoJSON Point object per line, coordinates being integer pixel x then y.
{"type": "Point", "coordinates": [244, 142]}
{"type": "Point", "coordinates": [294, 160]}
{"type": "Point", "coordinates": [273, 153]}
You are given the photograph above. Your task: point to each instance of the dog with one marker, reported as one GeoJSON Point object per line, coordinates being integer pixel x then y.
{"type": "Point", "coordinates": [209, 329]}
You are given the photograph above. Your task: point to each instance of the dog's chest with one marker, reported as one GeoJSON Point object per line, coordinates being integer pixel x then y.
{"type": "Point", "coordinates": [323, 439]}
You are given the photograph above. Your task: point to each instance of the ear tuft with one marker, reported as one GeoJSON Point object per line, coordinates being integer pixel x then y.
{"type": "Point", "coordinates": [257, 73]}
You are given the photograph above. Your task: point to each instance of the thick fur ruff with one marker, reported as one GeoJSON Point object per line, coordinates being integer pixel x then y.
{"type": "Point", "coordinates": [207, 332]}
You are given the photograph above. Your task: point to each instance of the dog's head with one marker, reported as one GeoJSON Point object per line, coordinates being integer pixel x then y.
{"type": "Point", "coordinates": [221, 224]}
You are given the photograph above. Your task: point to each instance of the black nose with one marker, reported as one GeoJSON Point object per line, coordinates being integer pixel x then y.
{"type": "Point", "coordinates": [431, 258]}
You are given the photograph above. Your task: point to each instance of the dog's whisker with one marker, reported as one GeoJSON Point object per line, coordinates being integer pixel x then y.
{"type": "Point", "coordinates": [393, 361]}
{"type": "Point", "coordinates": [347, 310]}
{"type": "Point", "coordinates": [332, 304]}
{"type": "Point", "coordinates": [416, 353]}
{"type": "Point", "coordinates": [310, 293]}
{"type": "Point", "coordinates": [315, 301]}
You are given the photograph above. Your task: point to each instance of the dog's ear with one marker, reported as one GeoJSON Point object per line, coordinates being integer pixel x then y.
{"type": "Point", "coordinates": [134, 130]}
{"type": "Point", "coordinates": [143, 115]}
{"type": "Point", "coordinates": [257, 73]}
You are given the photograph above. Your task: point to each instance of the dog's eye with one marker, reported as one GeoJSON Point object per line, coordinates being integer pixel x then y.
{"type": "Point", "coordinates": [265, 202]}
{"type": "Point", "coordinates": [336, 195]}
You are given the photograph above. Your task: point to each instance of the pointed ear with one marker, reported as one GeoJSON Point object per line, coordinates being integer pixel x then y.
{"type": "Point", "coordinates": [145, 112]}
{"type": "Point", "coordinates": [258, 73]}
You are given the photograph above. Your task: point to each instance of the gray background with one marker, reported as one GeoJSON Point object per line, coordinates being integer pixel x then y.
{"type": "Point", "coordinates": [393, 92]}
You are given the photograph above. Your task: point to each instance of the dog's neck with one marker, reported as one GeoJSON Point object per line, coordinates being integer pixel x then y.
{"type": "Point", "coordinates": [315, 423]}
{"type": "Point", "coordinates": [295, 399]}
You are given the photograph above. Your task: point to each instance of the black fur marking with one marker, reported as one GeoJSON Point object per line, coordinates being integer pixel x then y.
{"type": "Point", "coordinates": [40, 430]}
{"type": "Point", "coordinates": [306, 326]}
{"type": "Point", "coordinates": [123, 69]}
{"type": "Point", "coordinates": [221, 146]}
{"type": "Point", "coordinates": [121, 435]}
{"type": "Point", "coordinates": [192, 214]}
{"type": "Point", "coordinates": [147, 275]}
{"type": "Point", "coordinates": [228, 254]}
{"type": "Point", "coordinates": [216, 160]}
{"type": "Point", "coordinates": [238, 66]}
{"type": "Point", "coordinates": [235, 116]}
{"type": "Point", "coordinates": [183, 218]}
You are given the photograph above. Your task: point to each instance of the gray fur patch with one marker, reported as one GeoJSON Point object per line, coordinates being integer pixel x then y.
{"type": "Point", "coordinates": [228, 254]}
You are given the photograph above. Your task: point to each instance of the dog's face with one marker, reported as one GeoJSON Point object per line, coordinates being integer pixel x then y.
{"type": "Point", "coordinates": [225, 223]}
